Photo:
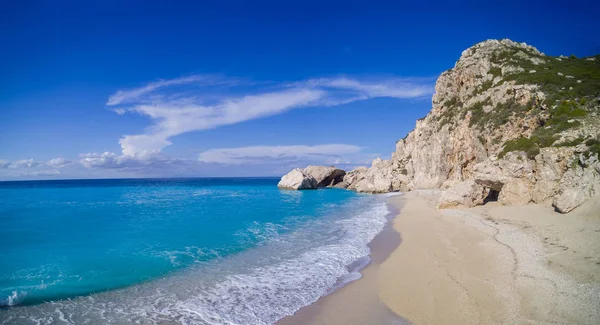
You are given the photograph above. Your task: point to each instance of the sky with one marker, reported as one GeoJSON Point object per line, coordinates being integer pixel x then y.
{"type": "Point", "coordinates": [118, 89]}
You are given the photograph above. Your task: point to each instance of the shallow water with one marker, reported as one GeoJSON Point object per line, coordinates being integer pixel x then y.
{"type": "Point", "coordinates": [192, 251]}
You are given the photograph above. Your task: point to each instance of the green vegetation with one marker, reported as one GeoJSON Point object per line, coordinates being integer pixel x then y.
{"type": "Point", "coordinates": [498, 116]}
{"type": "Point", "coordinates": [571, 143]}
{"type": "Point", "coordinates": [530, 146]}
{"type": "Point", "coordinates": [546, 74]}
{"type": "Point", "coordinates": [485, 86]}
{"type": "Point", "coordinates": [453, 102]}
{"type": "Point", "coordinates": [572, 86]}
{"type": "Point", "coordinates": [562, 118]}
{"type": "Point", "coordinates": [580, 77]}
{"type": "Point", "coordinates": [593, 148]}
{"type": "Point", "coordinates": [592, 142]}
{"type": "Point", "coordinates": [496, 72]}
{"type": "Point", "coordinates": [446, 117]}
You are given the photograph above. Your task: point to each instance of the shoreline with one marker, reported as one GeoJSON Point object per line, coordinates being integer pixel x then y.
{"type": "Point", "coordinates": [360, 294]}
{"type": "Point", "coordinates": [490, 264]}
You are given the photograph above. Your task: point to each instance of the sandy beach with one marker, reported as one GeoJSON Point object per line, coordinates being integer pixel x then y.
{"type": "Point", "coordinates": [486, 265]}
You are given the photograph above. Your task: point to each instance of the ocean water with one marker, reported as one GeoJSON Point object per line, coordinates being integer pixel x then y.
{"type": "Point", "coordinates": [176, 251]}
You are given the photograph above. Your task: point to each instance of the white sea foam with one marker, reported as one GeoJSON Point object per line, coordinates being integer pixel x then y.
{"type": "Point", "coordinates": [14, 298]}
{"type": "Point", "coordinates": [258, 286]}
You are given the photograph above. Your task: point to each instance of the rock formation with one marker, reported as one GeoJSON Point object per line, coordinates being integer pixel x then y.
{"type": "Point", "coordinates": [467, 193]}
{"type": "Point", "coordinates": [311, 177]}
{"type": "Point", "coordinates": [324, 175]}
{"type": "Point", "coordinates": [508, 122]}
{"type": "Point", "coordinates": [297, 180]}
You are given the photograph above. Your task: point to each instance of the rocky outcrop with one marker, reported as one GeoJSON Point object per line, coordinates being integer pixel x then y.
{"type": "Point", "coordinates": [382, 177]}
{"type": "Point", "coordinates": [494, 173]}
{"type": "Point", "coordinates": [516, 191]}
{"type": "Point", "coordinates": [325, 175]}
{"type": "Point", "coordinates": [311, 177]}
{"type": "Point", "coordinates": [464, 194]}
{"type": "Point", "coordinates": [506, 121]}
{"type": "Point", "coordinates": [550, 166]}
{"type": "Point", "coordinates": [297, 180]}
{"type": "Point", "coordinates": [579, 184]}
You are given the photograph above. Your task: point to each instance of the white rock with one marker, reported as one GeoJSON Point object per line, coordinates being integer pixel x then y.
{"type": "Point", "coordinates": [495, 174]}
{"type": "Point", "coordinates": [578, 185]}
{"type": "Point", "coordinates": [550, 166]}
{"type": "Point", "coordinates": [297, 180]}
{"type": "Point", "coordinates": [325, 175]}
{"type": "Point", "coordinates": [463, 194]}
{"type": "Point", "coordinates": [516, 191]}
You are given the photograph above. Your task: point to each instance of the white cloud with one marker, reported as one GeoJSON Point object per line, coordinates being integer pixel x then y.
{"type": "Point", "coordinates": [174, 120]}
{"type": "Point", "coordinates": [30, 168]}
{"type": "Point", "coordinates": [175, 113]}
{"type": "Point", "coordinates": [387, 87]}
{"type": "Point", "coordinates": [265, 160]}
{"type": "Point", "coordinates": [144, 163]}
{"type": "Point", "coordinates": [124, 96]}
{"type": "Point", "coordinates": [25, 163]}
{"type": "Point", "coordinates": [31, 163]}
{"type": "Point", "coordinates": [41, 173]}
{"type": "Point", "coordinates": [137, 94]}
{"type": "Point", "coordinates": [58, 162]}
{"type": "Point", "coordinates": [324, 154]}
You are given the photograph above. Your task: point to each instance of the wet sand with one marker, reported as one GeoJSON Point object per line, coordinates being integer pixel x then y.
{"type": "Point", "coordinates": [486, 265]}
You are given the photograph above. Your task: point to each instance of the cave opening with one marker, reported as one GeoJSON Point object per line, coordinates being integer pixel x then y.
{"type": "Point", "coordinates": [492, 196]}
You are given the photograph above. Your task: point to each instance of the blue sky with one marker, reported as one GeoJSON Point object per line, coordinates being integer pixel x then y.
{"type": "Point", "coordinates": [157, 89]}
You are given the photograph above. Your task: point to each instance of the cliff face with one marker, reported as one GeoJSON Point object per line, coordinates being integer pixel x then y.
{"type": "Point", "coordinates": [502, 97]}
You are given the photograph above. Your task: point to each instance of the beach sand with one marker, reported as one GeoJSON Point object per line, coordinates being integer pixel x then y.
{"type": "Point", "coordinates": [486, 265]}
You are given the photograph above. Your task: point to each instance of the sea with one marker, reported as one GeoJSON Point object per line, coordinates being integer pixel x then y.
{"type": "Point", "coordinates": [176, 251]}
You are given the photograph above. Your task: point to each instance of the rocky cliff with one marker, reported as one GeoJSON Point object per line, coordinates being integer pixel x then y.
{"type": "Point", "coordinates": [507, 123]}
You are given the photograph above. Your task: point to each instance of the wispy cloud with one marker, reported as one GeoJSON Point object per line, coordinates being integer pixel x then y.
{"type": "Point", "coordinates": [373, 88]}
{"type": "Point", "coordinates": [174, 111]}
{"type": "Point", "coordinates": [58, 162]}
{"type": "Point", "coordinates": [112, 160]}
{"type": "Point", "coordinates": [132, 95]}
{"type": "Point", "coordinates": [53, 172]}
{"type": "Point", "coordinates": [259, 160]}
{"type": "Point", "coordinates": [264, 160]}
{"type": "Point", "coordinates": [30, 168]}
{"type": "Point", "coordinates": [24, 163]}
{"type": "Point", "coordinates": [31, 163]}
{"type": "Point", "coordinates": [323, 154]}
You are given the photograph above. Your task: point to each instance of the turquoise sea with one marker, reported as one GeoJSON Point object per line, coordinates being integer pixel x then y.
{"type": "Point", "coordinates": [176, 251]}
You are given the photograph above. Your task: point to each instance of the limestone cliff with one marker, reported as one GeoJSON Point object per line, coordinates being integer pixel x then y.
{"type": "Point", "coordinates": [502, 97]}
